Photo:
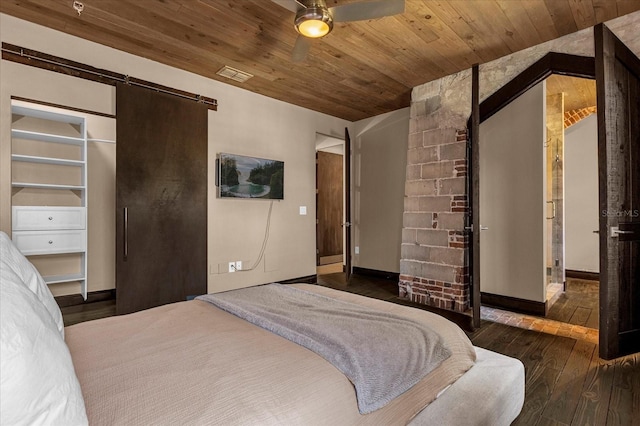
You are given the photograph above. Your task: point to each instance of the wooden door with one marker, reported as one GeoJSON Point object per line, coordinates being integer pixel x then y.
{"type": "Point", "coordinates": [347, 203]}
{"type": "Point", "coordinates": [618, 89]}
{"type": "Point", "coordinates": [161, 199]}
{"type": "Point", "coordinates": [329, 207]}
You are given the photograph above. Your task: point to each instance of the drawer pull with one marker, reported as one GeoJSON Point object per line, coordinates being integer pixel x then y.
{"type": "Point", "coordinates": [50, 217]}
{"type": "Point", "coordinates": [50, 241]}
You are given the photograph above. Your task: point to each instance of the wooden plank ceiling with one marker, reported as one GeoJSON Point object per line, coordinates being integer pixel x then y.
{"type": "Point", "coordinates": [359, 70]}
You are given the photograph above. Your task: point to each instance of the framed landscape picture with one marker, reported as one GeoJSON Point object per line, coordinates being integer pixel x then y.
{"type": "Point", "coordinates": [249, 177]}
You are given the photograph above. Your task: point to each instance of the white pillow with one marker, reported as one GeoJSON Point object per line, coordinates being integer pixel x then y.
{"type": "Point", "coordinates": [11, 257]}
{"type": "Point", "coordinates": [38, 384]}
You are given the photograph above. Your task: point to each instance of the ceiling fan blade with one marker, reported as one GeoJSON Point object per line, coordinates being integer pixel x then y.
{"type": "Point", "coordinates": [300, 49]}
{"type": "Point", "coordinates": [366, 10]}
{"type": "Point", "coordinates": [292, 5]}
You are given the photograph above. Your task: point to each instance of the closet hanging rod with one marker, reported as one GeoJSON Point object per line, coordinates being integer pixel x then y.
{"type": "Point", "coordinates": [76, 69]}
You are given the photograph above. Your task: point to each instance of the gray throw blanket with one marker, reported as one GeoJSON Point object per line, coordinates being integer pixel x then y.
{"type": "Point", "coordinates": [382, 354]}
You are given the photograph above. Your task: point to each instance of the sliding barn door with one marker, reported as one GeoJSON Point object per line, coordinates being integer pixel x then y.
{"type": "Point", "coordinates": [618, 86]}
{"type": "Point", "coordinates": [161, 199]}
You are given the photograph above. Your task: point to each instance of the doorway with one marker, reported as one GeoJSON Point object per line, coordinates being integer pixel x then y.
{"type": "Point", "coordinates": [329, 204]}
{"type": "Point", "coordinates": [617, 72]}
{"type": "Point", "coordinates": [539, 203]}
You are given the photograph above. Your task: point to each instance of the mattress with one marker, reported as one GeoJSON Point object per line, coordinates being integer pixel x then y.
{"type": "Point", "coordinates": [191, 363]}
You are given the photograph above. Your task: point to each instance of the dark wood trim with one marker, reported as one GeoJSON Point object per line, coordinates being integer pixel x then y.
{"type": "Point", "coordinates": [50, 104]}
{"type": "Point", "coordinates": [309, 279]}
{"type": "Point", "coordinates": [347, 204]}
{"type": "Point", "coordinates": [608, 326]}
{"type": "Point", "coordinates": [514, 304]}
{"type": "Point", "coordinates": [391, 276]}
{"type": "Point", "coordinates": [92, 297]}
{"type": "Point", "coordinates": [551, 63]}
{"type": "Point", "coordinates": [60, 65]}
{"type": "Point", "coordinates": [582, 275]}
{"type": "Point", "coordinates": [473, 149]}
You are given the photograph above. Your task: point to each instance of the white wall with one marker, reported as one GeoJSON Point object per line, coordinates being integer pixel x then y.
{"type": "Point", "coordinates": [245, 124]}
{"type": "Point", "coordinates": [379, 171]}
{"type": "Point", "coordinates": [512, 198]}
{"type": "Point", "coordinates": [581, 195]}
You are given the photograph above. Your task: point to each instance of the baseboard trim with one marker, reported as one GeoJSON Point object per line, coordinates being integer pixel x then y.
{"type": "Point", "coordinates": [309, 279]}
{"type": "Point", "coordinates": [391, 276]}
{"type": "Point", "coordinates": [582, 275]}
{"type": "Point", "coordinates": [92, 297]}
{"type": "Point", "coordinates": [514, 304]}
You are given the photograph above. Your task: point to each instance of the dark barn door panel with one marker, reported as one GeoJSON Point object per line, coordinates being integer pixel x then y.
{"type": "Point", "coordinates": [161, 199]}
{"type": "Point", "coordinates": [618, 85]}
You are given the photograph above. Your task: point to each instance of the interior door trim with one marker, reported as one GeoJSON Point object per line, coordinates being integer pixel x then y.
{"type": "Point", "coordinates": [551, 63]}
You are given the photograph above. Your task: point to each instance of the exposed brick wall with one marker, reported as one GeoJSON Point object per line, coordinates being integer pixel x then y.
{"type": "Point", "coordinates": [573, 116]}
{"type": "Point", "coordinates": [433, 266]}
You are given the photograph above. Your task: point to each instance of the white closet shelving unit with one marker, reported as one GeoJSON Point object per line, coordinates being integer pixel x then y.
{"type": "Point", "coordinates": [46, 225]}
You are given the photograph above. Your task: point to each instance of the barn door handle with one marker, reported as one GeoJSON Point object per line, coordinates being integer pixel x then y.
{"type": "Point", "coordinates": [126, 232]}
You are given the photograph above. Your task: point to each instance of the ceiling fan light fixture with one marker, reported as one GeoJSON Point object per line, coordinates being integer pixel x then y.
{"type": "Point", "coordinates": [314, 22]}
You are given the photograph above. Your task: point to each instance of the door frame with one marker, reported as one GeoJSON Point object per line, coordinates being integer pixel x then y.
{"type": "Point", "coordinates": [551, 63]}
{"type": "Point", "coordinates": [345, 190]}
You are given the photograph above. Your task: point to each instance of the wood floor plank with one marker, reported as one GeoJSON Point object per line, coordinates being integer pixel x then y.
{"type": "Point", "coordinates": [538, 389]}
{"type": "Point", "coordinates": [535, 354]}
{"type": "Point", "coordinates": [556, 355]}
{"type": "Point", "coordinates": [593, 404]}
{"type": "Point", "coordinates": [580, 316]}
{"type": "Point", "coordinates": [594, 319]}
{"type": "Point", "coordinates": [635, 388]}
{"type": "Point", "coordinates": [566, 394]}
{"type": "Point", "coordinates": [485, 339]}
{"type": "Point", "coordinates": [621, 402]}
{"type": "Point", "coordinates": [545, 421]}
{"type": "Point", "coordinates": [521, 344]}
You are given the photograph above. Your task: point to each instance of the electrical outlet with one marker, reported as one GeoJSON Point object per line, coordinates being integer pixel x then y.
{"type": "Point", "coordinates": [232, 266]}
{"type": "Point", "coordinates": [238, 265]}
{"type": "Point", "coordinates": [357, 250]}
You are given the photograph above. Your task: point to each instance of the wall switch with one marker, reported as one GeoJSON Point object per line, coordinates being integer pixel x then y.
{"type": "Point", "coordinates": [232, 266]}
{"type": "Point", "coordinates": [357, 250]}
{"type": "Point", "coordinates": [303, 210]}
{"type": "Point", "coordinates": [238, 265]}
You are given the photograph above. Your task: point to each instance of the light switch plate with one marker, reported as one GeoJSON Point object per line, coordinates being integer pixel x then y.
{"type": "Point", "coordinates": [303, 210]}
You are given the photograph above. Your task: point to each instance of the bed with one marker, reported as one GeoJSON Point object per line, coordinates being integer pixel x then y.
{"type": "Point", "coordinates": [195, 363]}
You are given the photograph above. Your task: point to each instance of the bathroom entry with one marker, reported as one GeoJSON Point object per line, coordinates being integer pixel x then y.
{"type": "Point", "coordinates": [572, 201]}
{"type": "Point", "coordinates": [533, 215]}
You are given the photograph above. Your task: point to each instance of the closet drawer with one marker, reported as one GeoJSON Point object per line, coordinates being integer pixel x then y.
{"type": "Point", "coordinates": [50, 242]}
{"type": "Point", "coordinates": [26, 218]}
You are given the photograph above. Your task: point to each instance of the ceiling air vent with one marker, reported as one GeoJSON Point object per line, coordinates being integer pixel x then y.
{"type": "Point", "coordinates": [234, 74]}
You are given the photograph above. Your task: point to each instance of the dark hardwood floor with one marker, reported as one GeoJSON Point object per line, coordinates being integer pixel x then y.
{"type": "Point", "coordinates": [566, 382]}
{"type": "Point", "coordinates": [578, 305]}
{"type": "Point", "coordinates": [88, 311]}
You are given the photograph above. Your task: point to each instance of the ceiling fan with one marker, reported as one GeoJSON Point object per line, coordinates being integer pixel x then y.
{"type": "Point", "coordinates": [314, 19]}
